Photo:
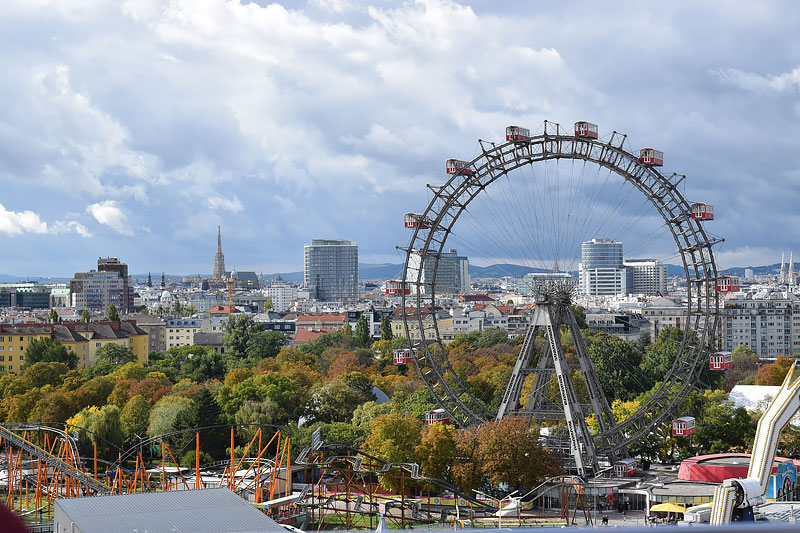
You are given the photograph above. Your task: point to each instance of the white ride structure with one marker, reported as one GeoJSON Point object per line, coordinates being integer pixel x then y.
{"type": "Point", "coordinates": [741, 495]}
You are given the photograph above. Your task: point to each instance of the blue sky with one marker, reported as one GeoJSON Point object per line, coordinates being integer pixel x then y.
{"type": "Point", "coordinates": [133, 128]}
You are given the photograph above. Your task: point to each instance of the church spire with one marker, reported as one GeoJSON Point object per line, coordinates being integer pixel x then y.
{"type": "Point", "coordinates": [219, 258]}
{"type": "Point", "coordinates": [791, 268]}
{"type": "Point", "coordinates": [782, 278]}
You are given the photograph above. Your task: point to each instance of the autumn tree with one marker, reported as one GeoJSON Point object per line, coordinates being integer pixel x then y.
{"type": "Point", "coordinates": [510, 453]}
{"type": "Point", "coordinates": [436, 451]}
{"type": "Point", "coordinates": [393, 438]}
{"type": "Point", "coordinates": [774, 373]}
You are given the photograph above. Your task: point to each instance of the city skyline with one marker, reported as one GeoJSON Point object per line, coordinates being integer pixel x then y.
{"type": "Point", "coordinates": [138, 128]}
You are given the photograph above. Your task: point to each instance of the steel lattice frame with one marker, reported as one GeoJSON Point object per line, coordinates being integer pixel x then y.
{"type": "Point", "coordinates": [496, 160]}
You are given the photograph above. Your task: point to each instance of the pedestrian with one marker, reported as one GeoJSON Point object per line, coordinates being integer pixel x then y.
{"type": "Point", "coordinates": [605, 519]}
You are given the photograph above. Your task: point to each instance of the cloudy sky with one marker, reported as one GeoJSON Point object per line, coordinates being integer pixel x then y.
{"type": "Point", "coordinates": [134, 127]}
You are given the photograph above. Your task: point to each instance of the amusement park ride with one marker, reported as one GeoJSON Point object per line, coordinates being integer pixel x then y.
{"type": "Point", "coordinates": [553, 314]}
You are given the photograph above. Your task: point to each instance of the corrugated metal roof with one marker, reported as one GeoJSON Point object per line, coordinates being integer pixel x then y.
{"type": "Point", "coordinates": [186, 511]}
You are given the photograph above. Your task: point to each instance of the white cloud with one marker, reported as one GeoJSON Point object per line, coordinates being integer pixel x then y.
{"type": "Point", "coordinates": [750, 81]}
{"type": "Point", "coordinates": [232, 204]}
{"type": "Point", "coordinates": [109, 214]}
{"type": "Point", "coordinates": [18, 222]}
{"type": "Point", "coordinates": [71, 226]}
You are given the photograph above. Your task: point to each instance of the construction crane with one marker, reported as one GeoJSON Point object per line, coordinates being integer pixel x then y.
{"type": "Point", "coordinates": [735, 498]}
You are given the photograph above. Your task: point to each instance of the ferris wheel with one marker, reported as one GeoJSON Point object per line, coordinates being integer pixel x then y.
{"type": "Point", "coordinates": [532, 200]}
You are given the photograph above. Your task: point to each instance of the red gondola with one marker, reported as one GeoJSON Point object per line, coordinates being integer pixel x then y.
{"type": "Point", "coordinates": [625, 467]}
{"type": "Point", "coordinates": [437, 415]}
{"type": "Point", "coordinates": [403, 356]}
{"type": "Point", "coordinates": [683, 426]}
{"type": "Point", "coordinates": [515, 133]}
{"type": "Point", "coordinates": [651, 157]}
{"type": "Point", "coordinates": [586, 129]}
{"type": "Point", "coordinates": [412, 220]}
{"type": "Point", "coordinates": [457, 166]}
{"type": "Point", "coordinates": [720, 361]}
{"type": "Point", "coordinates": [395, 287]}
{"type": "Point", "coordinates": [727, 284]}
{"type": "Point", "coordinates": [702, 211]}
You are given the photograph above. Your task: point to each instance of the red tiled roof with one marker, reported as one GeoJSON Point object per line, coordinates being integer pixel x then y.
{"type": "Point", "coordinates": [304, 335]}
{"type": "Point", "coordinates": [320, 318]}
{"type": "Point", "coordinates": [222, 310]}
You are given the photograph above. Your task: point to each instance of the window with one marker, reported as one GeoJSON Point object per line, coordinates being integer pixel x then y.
{"type": "Point", "coordinates": [30, 339]}
{"type": "Point", "coordinates": [10, 358]}
{"type": "Point", "coordinates": [97, 344]}
{"type": "Point", "coordinates": [10, 348]}
{"type": "Point", "coordinates": [2, 339]}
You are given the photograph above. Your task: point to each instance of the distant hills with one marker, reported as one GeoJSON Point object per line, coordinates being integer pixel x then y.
{"type": "Point", "coordinates": [395, 270]}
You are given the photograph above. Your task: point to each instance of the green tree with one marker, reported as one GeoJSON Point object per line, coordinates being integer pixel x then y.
{"type": "Point", "coordinates": [660, 355]}
{"type": "Point", "coordinates": [345, 434]}
{"type": "Point", "coordinates": [264, 344]}
{"type": "Point", "coordinates": [238, 332]}
{"type": "Point", "coordinates": [106, 428]}
{"type": "Point", "coordinates": [202, 363]}
{"type": "Point", "coordinates": [188, 459]}
{"type": "Point", "coordinates": [202, 413]}
{"type": "Point", "coordinates": [617, 366]}
{"type": "Point", "coordinates": [45, 373]}
{"type": "Point", "coordinates": [46, 349]}
{"type": "Point", "coordinates": [347, 330]}
{"type": "Point", "coordinates": [53, 317]}
{"type": "Point", "coordinates": [745, 365]}
{"type": "Point", "coordinates": [268, 304]}
{"type": "Point", "coordinates": [109, 357]}
{"type": "Point", "coordinates": [113, 314]}
{"type": "Point", "coordinates": [362, 335]}
{"type": "Point", "coordinates": [164, 415]}
{"type": "Point", "coordinates": [135, 416]}
{"type": "Point", "coordinates": [177, 307]}
{"type": "Point", "coordinates": [336, 401]}
{"type": "Point", "coordinates": [386, 329]}
{"type": "Point", "coordinates": [86, 317]}
{"type": "Point", "coordinates": [255, 412]}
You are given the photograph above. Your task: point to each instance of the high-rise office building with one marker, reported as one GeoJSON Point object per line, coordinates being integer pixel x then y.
{"type": "Point", "coordinates": [452, 272]}
{"type": "Point", "coordinates": [601, 271]}
{"type": "Point", "coordinates": [330, 270]}
{"type": "Point", "coordinates": [113, 264]}
{"type": "Point", "coordinates": [646, 276]}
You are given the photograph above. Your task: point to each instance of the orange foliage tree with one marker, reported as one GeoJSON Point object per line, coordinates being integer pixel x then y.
{"type": "Point", "coordinates": [773, 373]}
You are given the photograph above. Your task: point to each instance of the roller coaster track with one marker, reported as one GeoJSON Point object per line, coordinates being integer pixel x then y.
{"type": "Point", "coordinates": [357, 459]}
{"type": "Point", "coordinates": [51, 460]}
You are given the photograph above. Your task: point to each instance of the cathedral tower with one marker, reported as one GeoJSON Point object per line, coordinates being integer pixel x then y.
{"type": "Point", "coordinates": [219, 258]}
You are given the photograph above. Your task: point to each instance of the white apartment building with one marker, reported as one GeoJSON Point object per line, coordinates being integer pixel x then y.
{"type": "Point", "coordinates": [767, 321]}
{"type": "Point", "coordinates": [281, 294]}
{"type": "Point", "coordinates": [646, 276]}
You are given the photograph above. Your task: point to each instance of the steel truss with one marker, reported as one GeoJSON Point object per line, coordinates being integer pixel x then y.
{"type": "Point", "coordinates": [693, 244]}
